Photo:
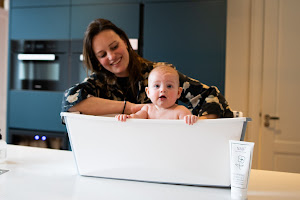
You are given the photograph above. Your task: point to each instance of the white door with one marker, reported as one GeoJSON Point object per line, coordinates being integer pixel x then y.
{"type": "Point", "coordinates": [280, 138]}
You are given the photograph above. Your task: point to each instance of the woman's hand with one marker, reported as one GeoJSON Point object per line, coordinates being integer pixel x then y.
{"type": "Point", "coordinates": [209, 116]}
{"type": "Point", "coordinates": [190, 119]}
{"type": "Point", "coordinates": [132, 108]}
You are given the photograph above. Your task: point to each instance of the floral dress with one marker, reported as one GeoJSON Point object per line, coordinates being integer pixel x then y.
{"type": "Point", "coordinates": [199, 98]}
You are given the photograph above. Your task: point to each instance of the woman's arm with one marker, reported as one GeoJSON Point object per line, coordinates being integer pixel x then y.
{"type": "Point", "coordinates": [94, 98]}
{"type": "Point", "coordinates": [141, 114]}
{"type": "Point", "coordinates": [204, 101]}
{"type": "Point", "coordinates": [100, 106]}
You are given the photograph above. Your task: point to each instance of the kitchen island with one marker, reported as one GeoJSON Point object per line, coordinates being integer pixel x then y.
{"type": "Point", "coordinates": [40, 173]}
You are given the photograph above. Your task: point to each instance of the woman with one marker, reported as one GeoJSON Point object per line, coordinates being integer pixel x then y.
{"type": "Point", "coordinates": [119, 77]}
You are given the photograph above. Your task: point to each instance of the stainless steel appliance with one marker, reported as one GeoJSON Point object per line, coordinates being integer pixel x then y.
{"type": "Point", "coordinates": [39, 65]}
{"type": "Point", "coordinates": [39, 73]}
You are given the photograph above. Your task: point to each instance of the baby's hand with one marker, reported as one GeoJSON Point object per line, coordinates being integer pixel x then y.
{"type": "Point", "coordinates": [122, 117]}
{"type": "Point", "coordinates": [190, 119]}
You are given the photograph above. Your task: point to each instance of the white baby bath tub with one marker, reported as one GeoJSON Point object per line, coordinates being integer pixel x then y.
{"type": "Point", "coordinates": [166, 151]}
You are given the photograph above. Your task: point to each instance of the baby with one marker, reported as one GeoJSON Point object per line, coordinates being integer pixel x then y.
{"type": "Point", "coordinates": [163, 90]}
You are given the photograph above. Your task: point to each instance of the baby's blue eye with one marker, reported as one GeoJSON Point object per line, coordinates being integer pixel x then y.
{"type": "Point", "coordinates": [170, 86]}
{"type": "Point", "coordinates": [156, 86]}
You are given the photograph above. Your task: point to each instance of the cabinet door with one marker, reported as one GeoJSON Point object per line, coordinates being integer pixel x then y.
{"type": "Point", "coordinates": [190, 35]}
{"type": "Point", "coordinates": [81, 2]}
{"type": "Point", "coordinates": [30, 3]}
{"type": "Point", "coordinates": [157, 1]}
{"type": "Point", "coordinates": [125, 16]}
{"type": "Point", "coordinates": [40, 23]}
{"type": "Point", "coordinates": [42, 107]}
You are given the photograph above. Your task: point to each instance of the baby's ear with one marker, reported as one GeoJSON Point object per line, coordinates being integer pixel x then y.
{"type": "Point", "coordinates": [147, 91]}
{"type": "Point", "coordinates": [179, 91]}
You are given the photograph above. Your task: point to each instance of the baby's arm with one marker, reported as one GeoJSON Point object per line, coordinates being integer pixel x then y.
{"type": "Point", "coordinates": [141, 114]}
{"type": "Point", "coordinates": [187, 116]}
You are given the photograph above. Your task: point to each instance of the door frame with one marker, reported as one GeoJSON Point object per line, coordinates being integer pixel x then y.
{"type": "Point", "coordinates": [3, 70]}
{"type": "Point", "coordinates": [244, 65]}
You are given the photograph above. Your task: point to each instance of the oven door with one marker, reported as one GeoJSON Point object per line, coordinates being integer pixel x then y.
{"type": "Point", "coordinates": [79, 71]}
{"type": "Point", "coordinates": [40, 71]}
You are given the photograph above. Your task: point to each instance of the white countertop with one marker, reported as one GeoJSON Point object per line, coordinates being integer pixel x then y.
{"type": "Point", "coordinates": [37, 173]}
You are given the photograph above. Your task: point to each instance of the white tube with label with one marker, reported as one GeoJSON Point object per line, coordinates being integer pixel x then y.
{"type": "Point", "coordinates": [240, 166]}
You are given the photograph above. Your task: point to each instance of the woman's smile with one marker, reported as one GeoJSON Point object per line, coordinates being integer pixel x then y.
{"type": "Point", "coordinates": [116, 62]}
{"type": "Point", "coordinates": [111, 52]}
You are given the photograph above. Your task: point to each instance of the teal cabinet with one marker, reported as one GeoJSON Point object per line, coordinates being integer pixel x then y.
{"type": "Point", "coordinates": [43, 23]}
{"type": "Point", "coordinates": [35, 110]}
{"type": "Point", "coordinates": [81, 2]}
{"type": "Point", "coordinates": [30, 3]}
{"type": "Point", "coordinates": [157, 1]}
{"type": "Point", "coordinates": [190, 35]}
{"type": "Point", "coordinates": [126, 16]}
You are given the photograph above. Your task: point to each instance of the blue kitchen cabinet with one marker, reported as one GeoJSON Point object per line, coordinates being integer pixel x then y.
{"type": "Point", "coordinates": [81, 2]}
{"type": "Point", "coordinates": [40, 23]}
{"type": "Point", "coordinates": [31, 3]}
{"type": "Point", "coordinates": [126, 16]}
{"type": "Point", "coordinates": [158, 1]}
{"type": "Point", "coordinates": [35, 110]}
{"type": "Point", "coordinates": [188, 34]}
{"type": "Point", "coordinates": [191, 35]}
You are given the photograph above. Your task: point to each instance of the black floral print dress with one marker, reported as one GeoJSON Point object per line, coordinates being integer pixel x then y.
{"type": "Point", "coordinates": [199, 98]}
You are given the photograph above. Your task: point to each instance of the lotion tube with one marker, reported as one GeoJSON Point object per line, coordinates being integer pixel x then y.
{"type": "Point", "coordinates": [240, 166]}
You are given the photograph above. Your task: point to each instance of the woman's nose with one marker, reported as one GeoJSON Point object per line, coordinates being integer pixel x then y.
{"type": "Point", "coordinates": [110, 55]}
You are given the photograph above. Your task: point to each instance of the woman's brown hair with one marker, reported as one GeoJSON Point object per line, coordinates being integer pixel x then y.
{"type": "Point", "coordinates": [91, 62]}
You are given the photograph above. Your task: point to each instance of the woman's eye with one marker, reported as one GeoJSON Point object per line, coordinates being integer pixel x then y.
{"type": "Point", "coordinates": [115, 47]}
{"type": "Point", "coordinates": [102, 55]}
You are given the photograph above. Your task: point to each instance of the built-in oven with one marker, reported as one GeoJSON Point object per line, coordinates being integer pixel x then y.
{"type": "Point", "coordinates": [39, 74]}
{"type": "Point", "coordinates": [39, 65]}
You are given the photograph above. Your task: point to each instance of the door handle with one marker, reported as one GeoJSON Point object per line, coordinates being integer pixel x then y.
{"type": "Point", "coordinates": [268, 118]}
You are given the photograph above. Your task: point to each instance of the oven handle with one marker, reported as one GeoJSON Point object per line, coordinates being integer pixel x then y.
{"type": "Point", "coordinates": [33, 57]}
